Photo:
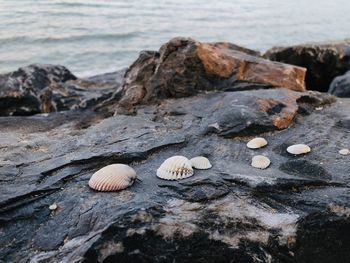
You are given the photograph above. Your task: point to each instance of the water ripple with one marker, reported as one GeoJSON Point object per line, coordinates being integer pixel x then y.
{"type": "Point", "coordinates": [88, 35]}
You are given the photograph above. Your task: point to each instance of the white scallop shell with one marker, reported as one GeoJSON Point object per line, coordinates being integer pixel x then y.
{"type": "Point", "coordinates": [260, 161]}
{"type": "Point", "coordinates": [200, 162]}
{"type": "Point", "coordinates": [256, 143]}
{"type": "Point", "coordinates": [112, 178]}
{"type": "Point", "coordinates": [344, 152]}
{"type": "Point", "coordinates": [175, 168]}
{"type": "Point", "coordinates": [298, 149]}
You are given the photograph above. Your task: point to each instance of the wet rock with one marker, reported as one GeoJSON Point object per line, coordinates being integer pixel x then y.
{"type": "Point", "coordinates": [241, 113]}
{"type": "Point", "coordinates": [231, 212]}
{"type": "Point", "coordinates": [340, 86]}
{"type": "Point", "coordinates": [48, 88]}
{"type": "Point", "coordinates": [183, 67]}
{"type": "Point", "coordinates": [323, 61]}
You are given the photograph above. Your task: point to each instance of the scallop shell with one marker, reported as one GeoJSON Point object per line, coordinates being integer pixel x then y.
{"type": "Point", "coordinates": [344, 152]}
{"type": "Point", "coordinates": [175, 168]}
{"type": "Point", "coordinates": [200, 162]}
{"type": "Point", "coordinates": [256, 143]}
{"type": "Point", "coordinates": [298, 149]}
{"type": "Point", "coordinates": [260, 161]}
{"type": "Point", "coordinates": [112, 178]}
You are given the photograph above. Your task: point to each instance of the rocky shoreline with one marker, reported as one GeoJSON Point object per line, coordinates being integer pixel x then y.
{"type": "Point", "coordinates": [188, 98]}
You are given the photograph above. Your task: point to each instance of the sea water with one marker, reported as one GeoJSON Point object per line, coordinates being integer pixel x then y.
{"type": "Point", "coordinates": [91, 37]}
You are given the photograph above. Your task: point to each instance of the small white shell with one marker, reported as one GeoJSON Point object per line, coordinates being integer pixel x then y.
{"type": "Point", "coordinates": [200, 162]}
{"type": "Point", "coordinates": [298, 149]}
{"type": "Point", "coordinates": [112, 178]}
{"type": "Point", "coordinates": [175, 168]}
{"type": "Point", "coordinates": [344, 152]}
{"type": "Point", "coordinates": [256, 143]}
{"type": "Point", "coordinates": [260, 161]}
{"type": "Point", "coordinates": [53, 206]}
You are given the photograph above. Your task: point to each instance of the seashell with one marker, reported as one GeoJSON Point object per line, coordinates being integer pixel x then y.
{"type": "Point", "coordinates": [53, 206]}
{"type": "Point", "coordinates": [112, 178]}
{"type": "Point", "coordinates": [344, 152]}
{"type": "Point", "coordinates": [200, 162]}
{"type": "Point", "coordinates": [256, 143]}
{"type": "Point", "coordinates": [175, 168]}
{"type": "Point", "coordinates": [260, 161]}
{"type": "Point", "coordinates": [298, 149]}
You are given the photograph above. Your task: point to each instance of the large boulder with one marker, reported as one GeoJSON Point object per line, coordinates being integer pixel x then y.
{"type": "Point", "coordinates": [183, 67]}
{"type": "Point", "coordinates": [47, 88]}
{"type": "Point", "coordinates": [324, 61]}
{"type": "Point", "coordinates": [297, 210]}
{"type": "Point", "coordinates": [340, 86]}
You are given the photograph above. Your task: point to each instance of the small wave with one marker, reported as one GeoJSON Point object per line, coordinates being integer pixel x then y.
{"type": "Point", "coordinates": [77, 38]}
{"type": "Point", "coordinates": [80, 4]}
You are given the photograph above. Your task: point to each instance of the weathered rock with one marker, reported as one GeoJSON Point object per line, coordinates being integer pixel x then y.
{"type": "Point", "coordinates": [230, 213]}
{"type": "Point", "coordinates": [232, 114]}
{"type": "Point", "coordinates": [183, 67]}
{"type": "Point", "coordinates": [47, 88]}
{"type": "Point", "coordinates": [340, 86]}
{"type": "Point", "coordinates": [296, 211]}
{"type": "Point", "coordinates": [324, 61]}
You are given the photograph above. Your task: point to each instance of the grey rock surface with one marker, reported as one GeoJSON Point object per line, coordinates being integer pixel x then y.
{"type": "Point", "coordinates": [49, 88]}
{"type": "Point", "coordinates": [340, 86]}
{"type": "Point", "coordinates": [297, 210]}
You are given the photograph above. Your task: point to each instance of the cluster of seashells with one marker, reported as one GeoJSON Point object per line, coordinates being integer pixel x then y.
{"type": "Point", "coordinates": [116, 177]}
{"type": "Point", "coordinates": [262, 162]}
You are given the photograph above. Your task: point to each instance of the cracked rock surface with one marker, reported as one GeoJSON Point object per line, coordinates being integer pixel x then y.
{"type": "Point", "coordinates": [297, 210]}
{"type": "Point", "coordinates": [41, 88]}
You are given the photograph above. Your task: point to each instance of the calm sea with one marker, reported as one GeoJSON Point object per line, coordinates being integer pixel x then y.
{"type": "Point", "coordinates": [91, 37]}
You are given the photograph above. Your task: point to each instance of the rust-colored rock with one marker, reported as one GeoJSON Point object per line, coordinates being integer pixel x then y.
{"type": "Point", "coordinates": [225, 62]}
{"type": "Point", "coordinates": [183, 67]}
{"type": "Point", "coordinates": [283, 112]}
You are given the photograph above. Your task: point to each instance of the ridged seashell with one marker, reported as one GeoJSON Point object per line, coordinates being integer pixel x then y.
{"type": "Point", "coordinates": [200, 162]}
{"type": "Point", "coordinates": [175, 168]}
{"type": "Point", "coordinates": [260, 161]}
{"type": "Point", "coordinates": [256, 143]}
{"type": "Point", "coordinates": [298, 149]}
{"type": "Point", "coordinates": [112, 178]}
{"type": "Point", "coordinates": [344, 152]}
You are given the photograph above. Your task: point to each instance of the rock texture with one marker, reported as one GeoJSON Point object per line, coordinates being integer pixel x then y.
{"type": "Point", "coordinates": [48, 88]}
{"type": "Point", "coordinates": [232, 212]}
{"type": "Point", "coordinates": [340, 86]}
{"type": "Point", "coordinates": [183, 67]}
{"type": "Point", "coordinates": [323, 61]}
{"type": "Point", "coordinates": [297, 210]}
